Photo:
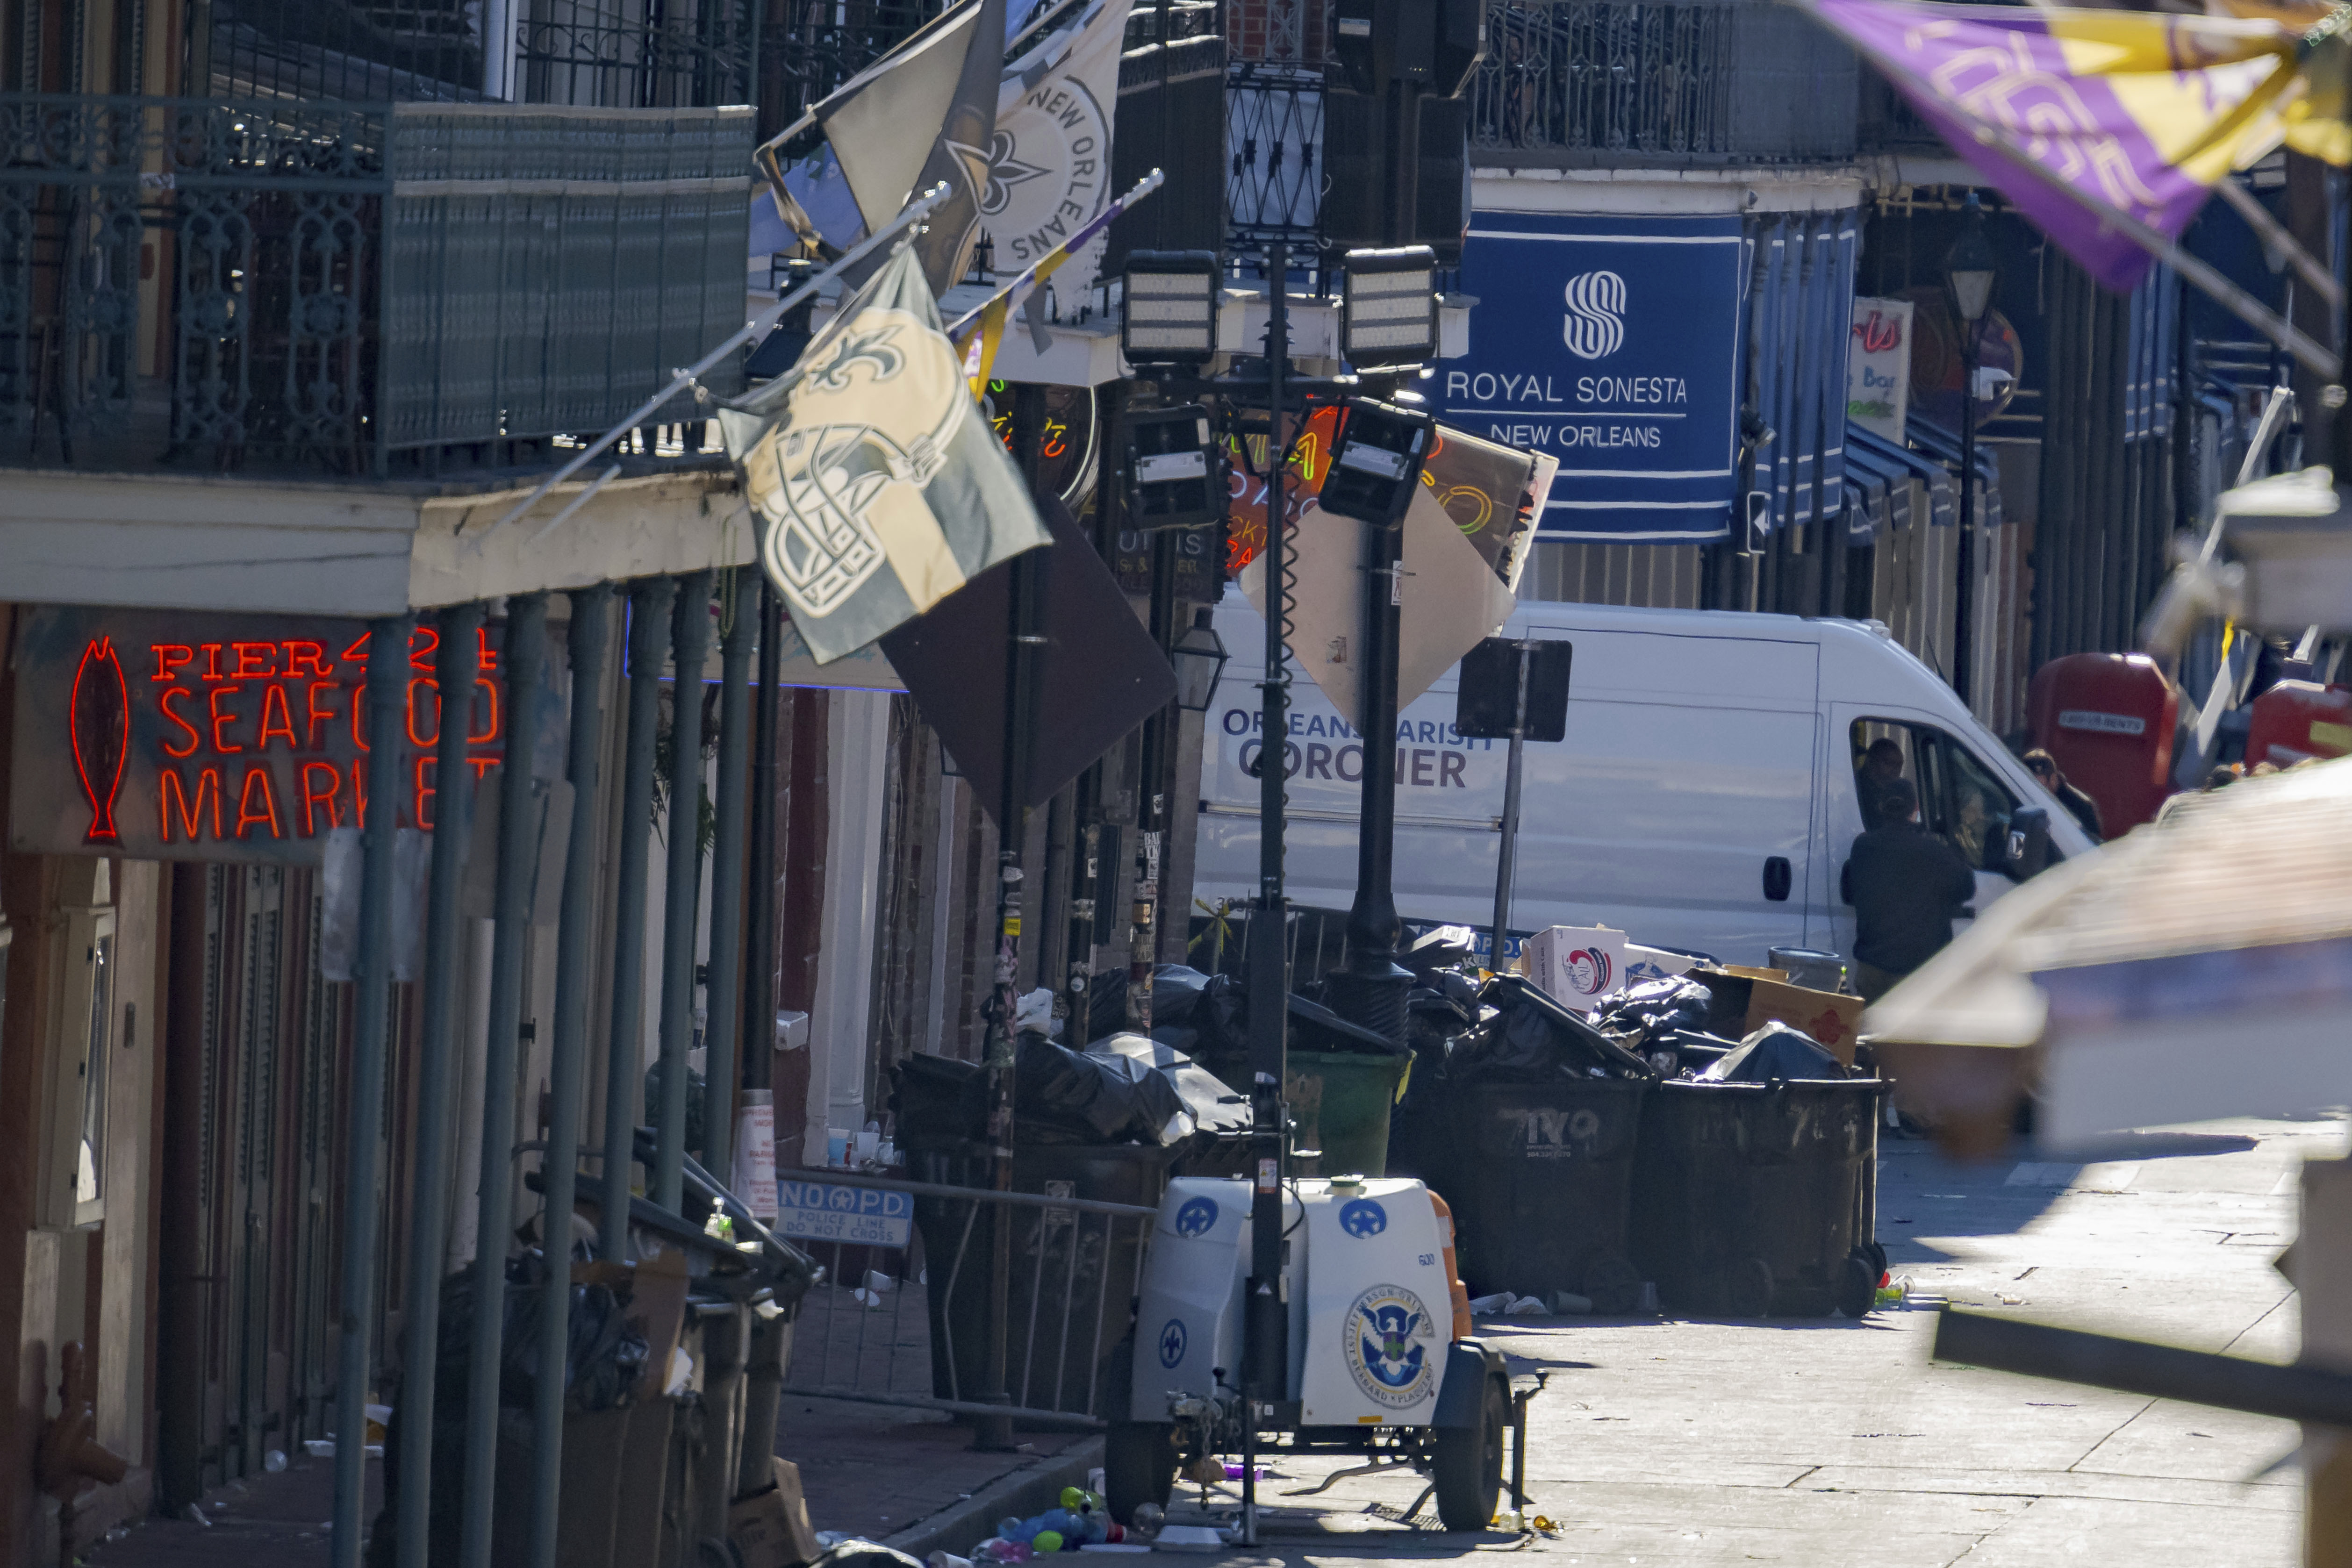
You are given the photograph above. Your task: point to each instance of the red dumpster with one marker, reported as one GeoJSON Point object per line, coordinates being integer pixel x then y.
{"type": "Point", "coordinates": [2296, 720]}
{"type": "Point", "coordinates": [2108, 719]}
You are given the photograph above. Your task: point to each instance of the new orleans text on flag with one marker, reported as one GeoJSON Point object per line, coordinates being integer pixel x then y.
{"type": "Point", "coordinates": [879, 487]}
{"type": "Point", "coordinates": [2136, 112]}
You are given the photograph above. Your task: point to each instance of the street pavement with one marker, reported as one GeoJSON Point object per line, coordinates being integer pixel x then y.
{"type": "Point", "coordinates": [1827, 1442]}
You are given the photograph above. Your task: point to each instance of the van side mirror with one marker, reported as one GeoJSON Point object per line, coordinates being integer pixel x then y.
{"type": "Point", "coordinates": [2029, 841]}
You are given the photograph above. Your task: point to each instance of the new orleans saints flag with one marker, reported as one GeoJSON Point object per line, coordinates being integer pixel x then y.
{"type": "Point", "coordinates": [923, 113]}
{"type": "Point", "coordinates": [880, 488]}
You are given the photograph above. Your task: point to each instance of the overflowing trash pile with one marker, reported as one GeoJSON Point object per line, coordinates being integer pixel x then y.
{"type": "Point", "coordinates": [1582, 1145]}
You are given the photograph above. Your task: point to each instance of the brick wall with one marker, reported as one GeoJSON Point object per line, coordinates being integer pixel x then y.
{"type": "Point", "coordinates": [1290, 32]}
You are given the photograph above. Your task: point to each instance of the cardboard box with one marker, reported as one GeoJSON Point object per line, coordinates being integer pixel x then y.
{"type": "Point", "coordinates": [771, 1529]}
{"type": "Point", "coordinates": [1832, 1018]}
{"type": "Point", "coordinates": [1578, 966]}
{"type": "Point", "coordinates": [1653, 964]}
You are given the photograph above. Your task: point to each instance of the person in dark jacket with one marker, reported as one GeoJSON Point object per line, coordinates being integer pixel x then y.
{"type": "Point", "coordinates": [1905, 885]}
{"type": "Point", "coordinates": [2044, 768]}
{"type": "Point", "coordinates": [1881, 765]}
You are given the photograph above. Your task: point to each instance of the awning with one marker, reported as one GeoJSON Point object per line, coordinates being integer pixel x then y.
{"type": "Point", "coordinates": [2198, 967]}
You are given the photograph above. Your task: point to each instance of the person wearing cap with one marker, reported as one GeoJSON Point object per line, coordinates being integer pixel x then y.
{"type": "Point", "coordinates": [1905, 884]}
{"type": "Point", "coordinates": [2045, 771]}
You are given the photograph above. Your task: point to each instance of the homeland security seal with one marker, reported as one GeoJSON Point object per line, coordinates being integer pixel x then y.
{"type": "Point", "coordinates": [1390, 1336]}
{"type": "Point", "coordinates": [842, 479]}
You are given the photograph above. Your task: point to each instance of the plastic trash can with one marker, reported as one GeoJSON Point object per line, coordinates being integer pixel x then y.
{"type": "Point", "coordinates": [1339, 1101]}
{"type": "Point", "coordinates": [1760, 1199]}
{"type": "Point", "coordinates": [1540, 1177]}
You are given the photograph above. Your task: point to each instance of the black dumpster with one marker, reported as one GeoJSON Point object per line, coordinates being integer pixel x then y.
{"type": "Point", "coordinates": [1539, 1180]}
{"type": "Point", "coordinates": [1075, 1273]}
{"type": "Point", "coordinates": [1760, 1199]}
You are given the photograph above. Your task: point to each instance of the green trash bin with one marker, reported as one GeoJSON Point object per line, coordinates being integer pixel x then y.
{"type": "Point", "coordinates": [1339, 1101]}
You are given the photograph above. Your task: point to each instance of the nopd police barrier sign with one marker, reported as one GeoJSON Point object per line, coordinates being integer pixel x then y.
{"type": "Point", "coordinates": [826, 1211]}
{"type": "Point", "coordinates": [1612, 343]}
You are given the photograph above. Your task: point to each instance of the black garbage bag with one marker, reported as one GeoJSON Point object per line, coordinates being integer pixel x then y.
{"type": "Point", "coordinates": [1065, 1096]}
{"type": "Point", "coordinates": [1217, 1108]}
{"type": "Point", "coordinates": [938, 1101]}
{"type": "Point", "coordinates": [1214, 1007]}
{"type": "Point", "coordinates": [1644, 1013]}
{"type": "Point", "coordinates": [1442, 947]}
{"type": "Point", "coordinates": [1536, 1038]}
{"type": "Point", "coordinates": [1777, 1051]}
{"type": "Point", "coordinates": [1314, 1027]}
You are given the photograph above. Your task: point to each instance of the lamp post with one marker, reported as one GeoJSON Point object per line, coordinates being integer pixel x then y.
{"type": "Point", "coordinates": [1388, 331]}
{"type": "Point", "coordinates": [1969, 273]}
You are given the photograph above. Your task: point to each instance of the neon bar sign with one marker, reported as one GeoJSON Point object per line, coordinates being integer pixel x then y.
{"type": "Point", "coordinates": [175, 736]}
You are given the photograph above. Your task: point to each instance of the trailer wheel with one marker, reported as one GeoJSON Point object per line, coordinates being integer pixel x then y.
{"type": "Point", "coordinates": [1468, 1465]}
{"type": "Point", "coordinates": [1139, 1466]}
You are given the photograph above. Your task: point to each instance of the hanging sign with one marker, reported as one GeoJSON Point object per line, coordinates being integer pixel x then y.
{"type": "Point", "coordinates": [1878, 367]}
{"type": "Point", "coordinates": [161, 734]}
{"type": "Point", "coordinates": [1612, 344]}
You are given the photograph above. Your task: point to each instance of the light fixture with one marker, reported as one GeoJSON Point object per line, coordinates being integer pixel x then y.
{"type": "Point", "coordinates": [1377, 461]}
{"type": "Point", "coordinates": [1168, 312]}
{"type": "Point", "coordinates": [1388, 305]}
{"type": "Point", "coordinates": [1970, 267]}
{"type": "Point", "coordinates": [1173, 478]}
{"type": "Point", "coordinates": [1199, 656]}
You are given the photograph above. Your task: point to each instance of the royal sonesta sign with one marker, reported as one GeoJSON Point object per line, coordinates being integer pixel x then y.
{"type": "Point", "coordinates": [1612, 343]}
{"type": "Point", "coordinates": [161, 734]}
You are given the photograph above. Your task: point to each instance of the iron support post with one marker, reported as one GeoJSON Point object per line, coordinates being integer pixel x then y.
{"type": "Point", "coordinates": [1964, 586]}
{"type": "Point", "coordinates": [649, 607]}
{"type": "Point", "coordinates": [740, 603]}
{"type": "Point", "coordinates": [690, 641]}
{"type": "Point", "coordinates": [1266, 1356]}
{"type": "Point", "coordinates": [568, 1057]}
{"type": "Point", "coordinates": [1024, 636]}
{"type": "Point", "coordinates": [760, 920]}
{"type": "Point", "coordinates": [387, 687]}
{"type": "Point", "coordinates": [456, 665]}
{"type": "Point", "coordinates": [523, 654]}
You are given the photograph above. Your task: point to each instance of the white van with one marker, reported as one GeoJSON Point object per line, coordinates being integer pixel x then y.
{"type": "Point", "coordinates": [1704, 798]}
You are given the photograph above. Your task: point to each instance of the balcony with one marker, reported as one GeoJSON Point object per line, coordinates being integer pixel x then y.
{"type": "Point", "coordinates": [354, 288]}
{"type": "Point", "coordinates": [1628, 83]}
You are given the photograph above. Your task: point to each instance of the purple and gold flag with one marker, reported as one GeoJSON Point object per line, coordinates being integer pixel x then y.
{"type": "Point", "coordinates": [2130, 112]}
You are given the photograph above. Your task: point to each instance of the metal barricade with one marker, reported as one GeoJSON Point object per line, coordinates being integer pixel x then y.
{"type": "Point", "coordinates": [902, 1314]}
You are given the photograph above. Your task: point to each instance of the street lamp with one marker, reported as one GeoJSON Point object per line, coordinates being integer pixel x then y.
{"type": "Point", "coordinates": [1168, 310]}
{"type": "Point", "coordinates": [1174, 480]}
{"type": "Point", "coordinates": [1376, 464]}
{"type": "Point", "coordinates": [1970, 269]}
{"type": "Point", "coordinates": [1388, 309]}
{"type": "Point", "coordinates": [1199, 656]}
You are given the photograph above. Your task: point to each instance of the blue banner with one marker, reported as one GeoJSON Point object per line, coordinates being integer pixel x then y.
{"type": "Point", "coordinates": [1611, 343]}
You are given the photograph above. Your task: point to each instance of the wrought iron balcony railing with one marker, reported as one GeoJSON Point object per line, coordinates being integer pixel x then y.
{"type": "Point", "coordinates": [353, 287]}
{"type": "Point", "coordinates": [1621, 82]}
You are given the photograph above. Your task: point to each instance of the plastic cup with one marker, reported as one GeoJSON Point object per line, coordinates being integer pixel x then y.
{"type": "Point", "coordinates": [836, 1147]}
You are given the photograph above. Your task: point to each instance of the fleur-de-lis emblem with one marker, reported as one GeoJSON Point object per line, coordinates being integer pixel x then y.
{"type": "Point", "coordinates": [871, 346]}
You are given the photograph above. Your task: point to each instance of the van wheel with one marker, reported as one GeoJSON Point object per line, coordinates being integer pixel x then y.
{"type": "Point", "coordinates": [1139, 1466]}
{"type": "Point", "coordinates": [1468, 1464]}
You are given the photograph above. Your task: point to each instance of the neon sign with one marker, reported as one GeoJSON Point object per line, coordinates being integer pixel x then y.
{"type": "Point", "coordinates": [174, 737]}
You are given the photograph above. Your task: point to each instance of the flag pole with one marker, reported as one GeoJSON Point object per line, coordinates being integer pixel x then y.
{"type": "Point", "coordinates": [2208, 280]}
{"type": "Point", "coordinates": [914, 212]}
{"type": "Point", "coordinates": [2274, 236]}
{"type": "Point", "coordinates": [1028, 279]}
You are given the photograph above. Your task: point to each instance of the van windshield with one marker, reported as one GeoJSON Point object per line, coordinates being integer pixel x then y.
{"type": "Point", "coordinates": [1960, 799]}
